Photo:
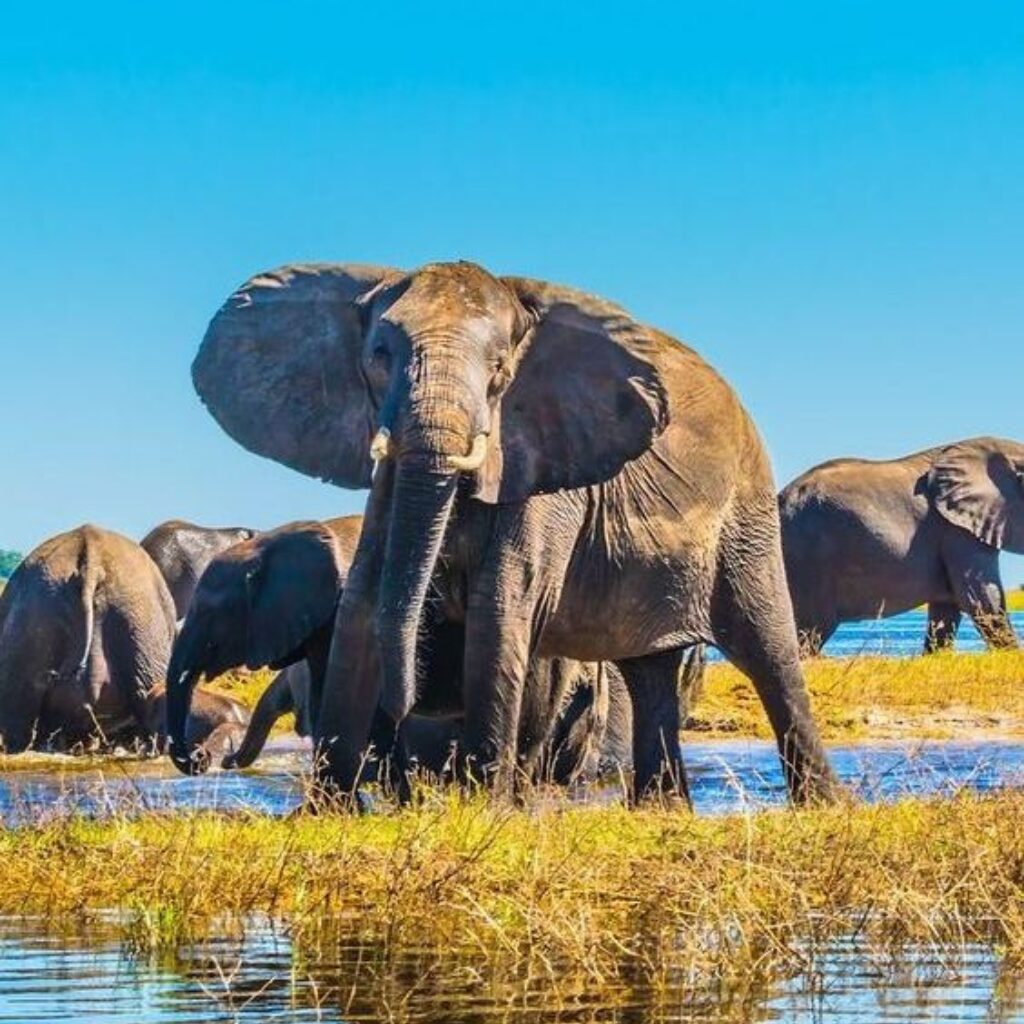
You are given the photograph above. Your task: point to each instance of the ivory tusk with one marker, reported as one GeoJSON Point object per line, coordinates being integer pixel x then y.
{"type": "Point", "coordinates": [380, 446]}
{"type": "Point", "coordinates": [474, 460]}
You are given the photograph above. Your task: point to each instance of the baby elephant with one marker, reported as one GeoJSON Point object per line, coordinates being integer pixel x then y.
{"type": "Point", "coordinates": [216, 723]}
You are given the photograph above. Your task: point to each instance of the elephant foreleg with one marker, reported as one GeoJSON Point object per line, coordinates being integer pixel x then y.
{"type": "Point", "coordinates": [943, 622]}
{"type": "Point", "coordinates": [495, 669]}
{"type": "Point", "coordinates": [979, 592]}
{"type": "Point", "coordinates": [653, 684]}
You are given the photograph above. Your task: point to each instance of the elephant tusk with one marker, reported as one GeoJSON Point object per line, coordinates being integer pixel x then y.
{"type": "Point", "coordinates": [380, 446]}
{"type": "Point", "coordinates": [474, 460]}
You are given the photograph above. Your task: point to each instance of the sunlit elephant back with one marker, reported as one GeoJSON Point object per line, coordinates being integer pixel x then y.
{"type": "Point", "coordinates": [570, 481]}
{"type": "Point", "coordinates": [866, 539]}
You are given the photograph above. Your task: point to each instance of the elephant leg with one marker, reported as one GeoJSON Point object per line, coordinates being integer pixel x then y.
{"type": "Point", "coordinates": [275, 702]}
{"type": "Point", "coordinates": [691, 680]}
{"type": "Point", "coordinates": [653, 685]}
{"type": "Point", "coordinates": [753, 626]}
{"type": "Point", "coordinates": [135, 665]}
{"type": "Point", "coordinates": [496, 663]}
{"type": "Point", "coordinates": [943, 623]}
{"type": "Point", "coordinates": [978, 589]}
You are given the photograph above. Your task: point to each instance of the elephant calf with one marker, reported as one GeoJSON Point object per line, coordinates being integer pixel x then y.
{"type": "Point", "coordinates": [86, 626]}
{"type": "Point", "coordinates": [216, 723]}
{"type": "Point", "coordinates": [864, 539]}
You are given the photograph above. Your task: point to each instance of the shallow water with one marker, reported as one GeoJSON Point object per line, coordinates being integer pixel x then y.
{"type": "Point", "coordinates": [724, 776]}
{"type": "Point", "coordinates": [89, 978]}
{"type": "Point", "coordinates": [900, 636]}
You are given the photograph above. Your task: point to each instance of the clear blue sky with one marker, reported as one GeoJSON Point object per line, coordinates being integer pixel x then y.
{"type": "Point", "coordinates": [826, 199]}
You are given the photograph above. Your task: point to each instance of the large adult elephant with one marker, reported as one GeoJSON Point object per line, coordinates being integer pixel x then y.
{"type": "Point", "coordinates": [182, 550]}
{"type": "Point", "coordinates": [574, 483]}
{"type": "Point", "coordinates": [86, 624]}
{"type": "Point", "coordinates": [271, 601]}
{"type": "Point", "coordinates": [864, 539]}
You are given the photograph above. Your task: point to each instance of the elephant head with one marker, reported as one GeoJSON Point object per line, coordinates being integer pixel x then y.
{"type": "Point", "coordinates": [978, 485]}
{"type": "Point", "coordinates": [257, 603]}
{"type": "Point", "coordinates": [516, 386]}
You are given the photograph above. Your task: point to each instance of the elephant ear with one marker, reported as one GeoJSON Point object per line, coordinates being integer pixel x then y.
{"type": "Point", "coordinates": [977, 485]}
{"type": "Point", "coordinates": [292, 591]}
{"type": "Point", "coordinates": [280, 369]}
{"type": "Point", "coordinates": [585, 397]}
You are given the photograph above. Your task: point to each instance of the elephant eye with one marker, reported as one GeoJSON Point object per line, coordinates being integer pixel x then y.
{"type": "Point", "coordinates": [382, 355]}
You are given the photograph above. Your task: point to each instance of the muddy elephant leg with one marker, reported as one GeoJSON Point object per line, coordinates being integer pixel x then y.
{"type": "Point", "coordinates": [979, 592]}
{"type": "Point", "coordinates": [943, 623]}
{"type": "Point", "coordinates": [653, 684]}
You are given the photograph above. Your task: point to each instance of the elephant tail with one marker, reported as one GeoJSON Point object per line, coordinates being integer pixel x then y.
{"type": "Point", "coordinates": [89, 573]}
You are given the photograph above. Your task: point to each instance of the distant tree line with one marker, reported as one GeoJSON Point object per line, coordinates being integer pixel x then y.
{"type": "Point", "coordinates": [9, 561]}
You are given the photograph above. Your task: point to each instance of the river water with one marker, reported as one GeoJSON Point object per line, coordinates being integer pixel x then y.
{"type": "Point", "coordinates": [89, 977]}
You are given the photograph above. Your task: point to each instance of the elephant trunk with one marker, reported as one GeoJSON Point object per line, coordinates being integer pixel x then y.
{"type": "Point", "coordinates": [182, 675]}
{"type": "Point", "coordinates": [421, 508]}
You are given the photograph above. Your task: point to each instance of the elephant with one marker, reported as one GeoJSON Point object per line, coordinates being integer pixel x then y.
{"type": "Point", "coordinates": [182, 550]}
{"type": "Point", "coordinates": [591, 735]}
{"type": "Point", "coordinates": [568, 482]}
{"type": "Point", "coordinates": [216, 723]}
{"type": "Point", "coordinates": [271, 600]}
{"type": "Point", "coordinates": [866, 538]}
{"type": "Point", "coordinates": [268, 600]}
{"type": "Point", "coordinates": [86, 626]}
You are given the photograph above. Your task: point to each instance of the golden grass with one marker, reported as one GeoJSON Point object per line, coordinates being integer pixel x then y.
{"type": "Point", "coordinates": [606, 890]}
{"type": "Point", "coordinates": [941, 696]}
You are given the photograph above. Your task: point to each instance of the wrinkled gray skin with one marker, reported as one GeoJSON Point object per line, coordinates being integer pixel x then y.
{"type": "Point", "coordinates": [271, 600]}
{"type": "Point", "coordinates": [591, 734]}
{"type": "Point", "coordinates": [216, 723]}
{"type": "Point", "coordinates": [86, 625]}
{"type": "Point", "coordinates": [182, 551]}
{"type": "Point", "coordinates": [865, 539]}
{"type": "Point", "coordinates": [571, 482]}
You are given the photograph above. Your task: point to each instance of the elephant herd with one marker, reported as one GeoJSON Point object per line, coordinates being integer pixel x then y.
{"type": "Point", "coordinates": [564, 505]}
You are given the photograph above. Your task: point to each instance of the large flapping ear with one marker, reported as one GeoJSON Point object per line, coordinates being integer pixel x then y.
{"type": "Point", "coordinates": [585, 397]}
{"type": "Point", "coordinates": [279, 369]}
{"type": "Point", "coordinates": [977, 485]}
{"type": "Point", "coordinates": [292, 591]}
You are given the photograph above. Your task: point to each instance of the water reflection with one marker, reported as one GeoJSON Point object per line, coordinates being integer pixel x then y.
{"type": "Point", "coordinates": [88, 978]}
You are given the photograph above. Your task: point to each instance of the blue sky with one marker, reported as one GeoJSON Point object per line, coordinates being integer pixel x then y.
{"type": "Point", "coordinates": [826, 200]}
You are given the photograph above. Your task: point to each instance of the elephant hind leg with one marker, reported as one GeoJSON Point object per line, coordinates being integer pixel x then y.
{"type": "Point", "coordinates": [753, 626]}
{"type": "Point", "coordinates": [653, 685]}
{"type": "Point", "coordinates": [943, 622]}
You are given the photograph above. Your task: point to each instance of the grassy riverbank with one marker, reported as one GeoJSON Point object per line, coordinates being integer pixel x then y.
{"type": "Point", "coordinates": [608, 891]}
{"type": "Point", "coordinates": [943, 696]}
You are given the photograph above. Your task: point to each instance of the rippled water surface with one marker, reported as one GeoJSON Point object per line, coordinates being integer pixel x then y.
{"type": "Point", "coordinates": [89, 978]}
